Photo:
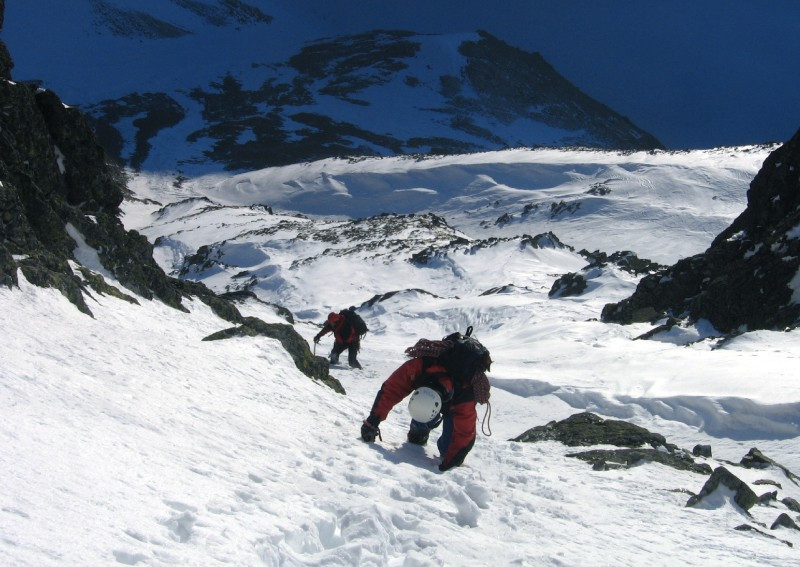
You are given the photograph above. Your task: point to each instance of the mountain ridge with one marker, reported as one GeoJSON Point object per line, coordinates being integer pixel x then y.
{"type": "Point", "coordinates": [200, 86]}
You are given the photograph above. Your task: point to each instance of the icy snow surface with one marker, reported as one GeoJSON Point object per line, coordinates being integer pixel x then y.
{"type": "Point", "coordinates": [126, 439]}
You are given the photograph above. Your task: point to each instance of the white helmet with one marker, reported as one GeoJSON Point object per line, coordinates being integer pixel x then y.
{"type": "Point", "coordinates": [424, 405]}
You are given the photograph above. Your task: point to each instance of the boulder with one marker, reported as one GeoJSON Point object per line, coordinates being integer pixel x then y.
{"type": "Point", "coordinates": [702, 451]}
{"type": "Point", "coordinates": [570, 284]}
{"type": "Point", "coordinates": [744, 496]}
{"type": "Point", "coordinates": [784, 521]}
{"type": "Point", "coordinates": [792, 504]}
{"type": "Point", "coordinates": [755, 459]}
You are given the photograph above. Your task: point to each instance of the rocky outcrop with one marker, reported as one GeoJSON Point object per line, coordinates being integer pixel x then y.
{"type": "Point", "coordinates": [59, 200]}
{"type": "Point", "coordinates": [569, 285]}
{"type": "Point", "coordinates": [748, 278]}
{"type": "Point", "coordinates": [58, 196]}
{"type": "Point", "coordinates": [591, 429]}
{"type": "Point", "coordinates": [721, 488]}
{"type": "Point", "coordinates": [577, 283]}
{"type": "Point", "coordinates": [314, 366]}
{"type": "Point", "coordinates": [724, 487]}
{"type": "Point", "coordinates": [459, 244]}
{"type": "Point", "coordinates": [586, 429]}
{"type": "Point", "coordinates": [59, 225]}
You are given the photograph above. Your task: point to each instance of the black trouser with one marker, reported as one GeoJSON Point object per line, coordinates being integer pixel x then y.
{"type": "Point", "coordinates": [352, 351]}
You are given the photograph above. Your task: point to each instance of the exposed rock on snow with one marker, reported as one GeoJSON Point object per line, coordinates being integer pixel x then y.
{"type": "Point", "coordinates": [591, 429]}
{"type": "Point", "coordinates": [757, 460]}
{"type": "Point", "coordinates": [743, 495]}
{"type": "Point", "coordinates": [603, 459]}
{"type": "Point", "coordinates": [747, 279]}
{"type": "Point", "coordinates": [315, 367]}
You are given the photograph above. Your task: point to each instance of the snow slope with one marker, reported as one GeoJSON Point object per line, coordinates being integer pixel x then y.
{"type": "Point", "coordinates": [633, 201]}
{"type": "Point", "coordinates": [128, 440]}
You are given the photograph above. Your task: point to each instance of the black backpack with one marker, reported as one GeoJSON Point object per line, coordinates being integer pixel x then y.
{"type": "Point", "coordinates": [467, 357]}
{"type": "Point", "coordinates": [355, 321]}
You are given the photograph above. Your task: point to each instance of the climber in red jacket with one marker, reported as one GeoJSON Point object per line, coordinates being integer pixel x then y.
{"type": "Point", "coordinates": [454, 407]}
{"type": "Point", "coordinates": [345, 337]}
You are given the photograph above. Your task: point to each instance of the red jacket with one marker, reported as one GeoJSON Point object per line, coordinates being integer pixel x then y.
{"type": "Point", "coordinates": [418, 372]}
{"type": "Point", "coordinates": [343, 332]}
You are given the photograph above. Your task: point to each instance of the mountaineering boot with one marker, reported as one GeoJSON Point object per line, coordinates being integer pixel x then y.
{"type": "Point", "coordinates": [351, 358]}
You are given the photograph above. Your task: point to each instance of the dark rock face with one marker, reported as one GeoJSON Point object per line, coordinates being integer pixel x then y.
{"type": "Point", "coordinates": [54, 178]}
{"type": "Point", "coordinates": [89, 182]}
{"type": "Point", "coordinates": [56, 186]}
{"type": "Point", "coordinates": [5, 62]}
{"type": "Point", "coordinates": [5, 59]}
{"type": "Point", "coordinates": [747, 279]}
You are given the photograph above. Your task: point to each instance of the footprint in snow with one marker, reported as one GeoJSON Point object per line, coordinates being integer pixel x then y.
{"type": "Point", "coordinates": [467, 512]}
{"type": "Point", "coordinates": [181, 524]}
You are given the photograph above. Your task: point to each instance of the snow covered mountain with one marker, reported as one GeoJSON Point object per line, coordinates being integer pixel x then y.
{"type": "Point", "coordinates": [198, 86]}
{"type": "Point", "coordinates": [145, 420]}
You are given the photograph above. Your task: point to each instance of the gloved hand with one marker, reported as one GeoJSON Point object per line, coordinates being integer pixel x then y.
{"type": "Point", "coordinates": [316, 339]}
{"type": "Point", "coordinates": [369, 429]}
